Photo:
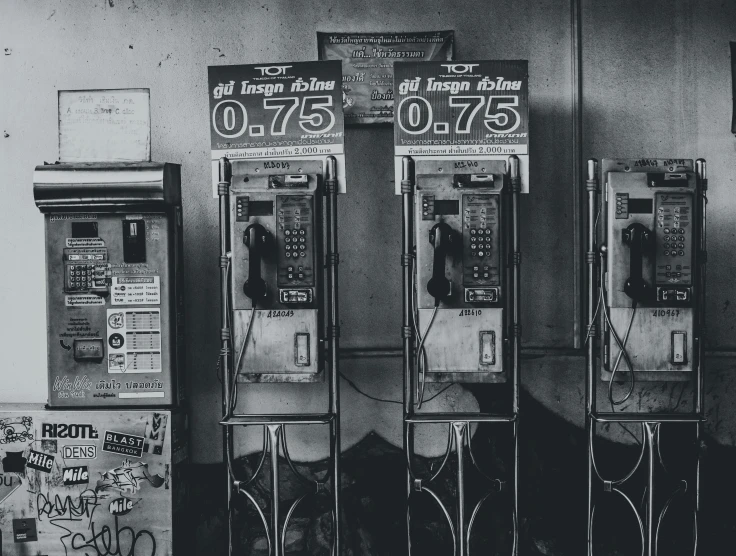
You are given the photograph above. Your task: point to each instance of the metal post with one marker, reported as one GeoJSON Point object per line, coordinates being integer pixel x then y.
{"type": "Point", "coordinates": [274, 436]}
{"type": "Point", "coordinates": [515, 182]}
{"type": "Point", "coordinates": [407, 262]}
{"type": "Point", "coordinates": [460, 431]}
{"type": "Point", "coordinates": [590, 258]}
{"type": "Point", "coordinates": [223, 190]}
{"type": "Point", "coordinates": [333, 332]}
{"type": "Point", "coordinates": [651, 437]}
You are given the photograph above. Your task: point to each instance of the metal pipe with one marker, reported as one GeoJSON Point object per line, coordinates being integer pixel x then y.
{"type": "Point", "coordinates": [274, 432]}
{"type": "Point", "coordinates": [459, 429]}
{"type": "Point", "coordinates": [576, 34]}
{"type": "Point", "coordinates": [515, 181]}
{"type": "Point", "coordinates": [651, 440]}
{"type": "Point", "coordinates": [334, 342]}
{"type": "Point", "coordinates": [407, 258]}
{"type": "Point", "coordinates": [702, 177]}
{"type": "Point", "coordinates": [223, 191]}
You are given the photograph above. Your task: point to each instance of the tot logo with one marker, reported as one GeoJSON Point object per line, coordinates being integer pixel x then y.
{"type": "Point", "coordinates": [459, 68]}
{"type": "Point", "coordinates": [272, 71]}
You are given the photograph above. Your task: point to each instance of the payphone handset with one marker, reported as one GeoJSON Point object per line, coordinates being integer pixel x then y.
{"type": "Point", "coordinates": [276, 276]}
{"type": "Point", "coordinates": [652, 226]}
{"type": "Point", "coordinates": [461, 229]}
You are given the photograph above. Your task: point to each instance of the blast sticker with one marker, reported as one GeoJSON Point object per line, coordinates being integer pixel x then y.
{"type": "Point", "coordinates": [121, 443]}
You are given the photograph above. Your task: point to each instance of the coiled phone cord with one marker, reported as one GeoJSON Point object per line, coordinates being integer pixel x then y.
{"type": "Point", "coordinates": [621, 346]}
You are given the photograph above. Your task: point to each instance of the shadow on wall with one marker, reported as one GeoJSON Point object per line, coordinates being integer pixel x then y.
{"type": "Point", "coordinates": [552, 498]}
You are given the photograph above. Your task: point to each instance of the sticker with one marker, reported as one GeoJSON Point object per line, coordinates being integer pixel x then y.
{"type": "Point", "coordinates": [84, 242]}
{"type": "Point", "coordinates": [83, 451]}
{"type": "Point", "coordinates": [68, 430]}
{"type": "Point", "coordinates": [155, 433]}
{"type": "Point", "coordinates": [121, 443]}
{"type": "Point", "coordinates": [134, 338]}
{"type": "Point", "coordinates": [121, 506]}
{"type": "Point", "coordinates": [18, 429]}
{"type": "Point", "coordinates": [136, 290]}
{"type": "Point", "coordinates": [128, 478]}
{"type": "Point", "coordinates": [40, 461]}
{"type": "Point", "coordinates": [8, 485]}
{"type": "Point", "coordinates": [83, 300]}
{"type": "Point", "coordinates": [14, 462]}
{"type": "Point", "coordinates": [75, 475]}
{"type": "Point", "coordinates": [62, 217]}
{"type": "Point", "coordinates": [24, 530]}
{"type": "Point", "coordinates": [49, 446]}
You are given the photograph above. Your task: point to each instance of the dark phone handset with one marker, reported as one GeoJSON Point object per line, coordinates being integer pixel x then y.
{"type": "Point", "coordinates": [640, 240]}
{"type": "Point", "coordinates": [440, 236]}
{"type": "Point", "coordinates": [255, 238]}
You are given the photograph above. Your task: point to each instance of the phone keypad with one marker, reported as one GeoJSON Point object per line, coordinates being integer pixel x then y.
{"type": "Point", "coordinates": [674, 213]}
{"type": "Point", "coordinates": [295, 240]}
{"type": "Point", "coordinates": [85, 277]}
{"type": "Point", "coordinates": [481, 255]}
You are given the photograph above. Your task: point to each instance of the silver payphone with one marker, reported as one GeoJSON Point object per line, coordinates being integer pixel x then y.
{"type": "Point", "coordinates": [276, 279]}
{"type": "Point", "coordinates": [651, 220]}
{"type": "Point", "coordinates": [114, 291]}
{"type": "Point", "coordinates": [461, 235]}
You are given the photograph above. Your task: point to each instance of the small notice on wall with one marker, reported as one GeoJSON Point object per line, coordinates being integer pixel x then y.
{"type": "Point", "coordinates": [368, 67]}
{"type": "Point", "coordinates": [105, 125]}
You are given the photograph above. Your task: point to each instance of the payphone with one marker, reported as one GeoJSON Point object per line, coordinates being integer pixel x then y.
{"type": "Point", "coordinates": [114, 291]}
{"type": "Point", "coordinates": [651, 218]}
{"type": "Point", "coordinates": [461, 236]}
{"type": "Point", "coordinates": [276, 279]}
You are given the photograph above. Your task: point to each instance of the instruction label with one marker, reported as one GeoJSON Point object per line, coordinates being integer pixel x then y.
{"type": "Point", "coordinates": [83, 300]}
{"type": "Point", "coordinates": [136, 290]}
{"type": "Point", "coordinates": [134, 340]}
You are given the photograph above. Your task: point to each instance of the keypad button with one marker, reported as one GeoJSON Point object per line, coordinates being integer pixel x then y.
{"type": "Point", "coordinates": [681, 253]}
{"type": "Point", "coordinates": [475, 274]}
{"type": "Point", "coordinates": [480, 253]}
{"type": "Point", "coordinates": [303, 254]}
{"type": "Point", "coordinates": [666, 230]}
{"type": "Point", "coordinates": [302, 232]}
{"type": "Point", "coordinates": [288, 254]}
{"type": "Point", "coordinates": [472, 245]}
{"type": "Point", "coordinates": [472, 232]}
{"type": "Point", "coordinates": [301, 275]}
{"type": "Point", "coordinates": [666, 253]}
{"type": "Point", "coordinates": [287, 232]}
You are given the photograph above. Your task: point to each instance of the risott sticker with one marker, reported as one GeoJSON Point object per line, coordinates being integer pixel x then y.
{"type": "Point", "coordinates": [121, 443]}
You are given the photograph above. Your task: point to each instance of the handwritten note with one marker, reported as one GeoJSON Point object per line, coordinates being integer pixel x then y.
{"type": "Point", "coordinates": [104, 125]}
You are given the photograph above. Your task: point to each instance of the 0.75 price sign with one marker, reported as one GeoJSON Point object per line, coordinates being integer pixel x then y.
{"type": "Point", "coordinates": [315, 115]}
{"type": "Point", "coordinates": [272, 111]}
{"type": "Point", "coordinates": [468, 108]}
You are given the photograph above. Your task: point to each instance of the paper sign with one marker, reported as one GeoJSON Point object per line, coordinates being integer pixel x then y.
{"type": "Point", "coordinates": [105, 125]}
{"type": "Point", "coordinates": [290, 110]}
{"type": "Point", "coordinates": [462, 111]}
{"type": "Point", "coordinates": [368, 67]}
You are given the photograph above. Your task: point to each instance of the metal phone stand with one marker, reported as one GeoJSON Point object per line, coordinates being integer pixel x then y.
{"type": "Point", "coordinates": [274, 426]}
{"type": "Point", "coordinates": [459, 424]}
{"type": "Point", "coordinates": [655, 501]}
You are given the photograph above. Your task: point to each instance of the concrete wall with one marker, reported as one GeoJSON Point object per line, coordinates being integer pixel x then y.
{"type": "Point", "coordinates": [657, 84]}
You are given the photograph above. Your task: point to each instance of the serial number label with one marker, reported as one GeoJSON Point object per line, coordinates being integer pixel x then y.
{"type": "Point", "coordinates": [666, 313]}
{"type": "Point", "coordinates": [279, 314]}
{"type": "Point", "coordinates": [470, 312]}
{"type": "Point", "coordinates": [270, 164]}
{"type": "Point", "coordinates": [466, 164]}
